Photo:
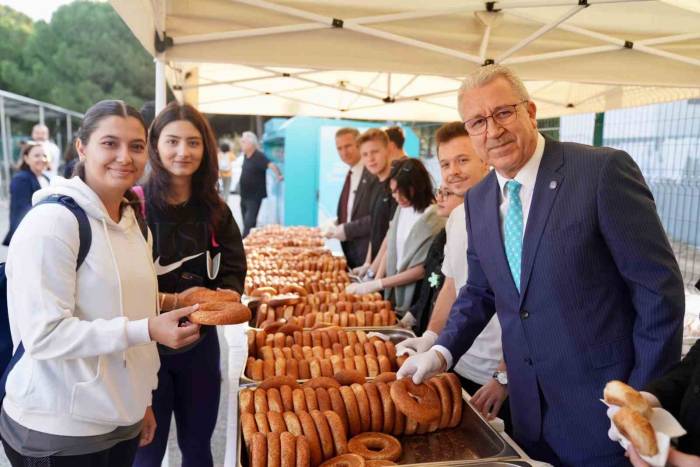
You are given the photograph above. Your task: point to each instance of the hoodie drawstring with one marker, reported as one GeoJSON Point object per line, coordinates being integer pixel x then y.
{"type": "Point", "coordinates": [119, 280]}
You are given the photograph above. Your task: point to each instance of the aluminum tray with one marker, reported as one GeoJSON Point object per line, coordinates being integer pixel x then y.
{"type": "Point", "coordinates": [395, 334]}
{"type": "Point", "coordinates": [473, 442]}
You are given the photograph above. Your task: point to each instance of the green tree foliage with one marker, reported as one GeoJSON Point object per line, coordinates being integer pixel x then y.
{"type": "Point", "coordinates": [85, 54]}
{"type": "Point", "coordinates": [15, 29]}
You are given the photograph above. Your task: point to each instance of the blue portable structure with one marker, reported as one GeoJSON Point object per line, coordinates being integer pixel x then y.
{"type": "Point", "coordinates": [313, 171]}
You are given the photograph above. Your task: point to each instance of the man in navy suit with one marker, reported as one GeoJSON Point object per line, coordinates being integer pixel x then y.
{"type": "Point", "coordinates": [565, 245]}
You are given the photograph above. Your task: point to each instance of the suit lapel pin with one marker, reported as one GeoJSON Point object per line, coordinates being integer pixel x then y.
{"type": "Point", "coordinates": [553, 185]}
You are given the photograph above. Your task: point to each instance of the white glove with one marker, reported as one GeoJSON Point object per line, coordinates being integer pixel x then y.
{"type": "Point", "coordinates": [337, 232]}
{"type": "Point", "coordinates": [407, 321]}
{"type": "Point", "coordinates": [421, 366]}
{"type": "Point", "coordinates": [360, 270]}
{"type": "Point", "coordinates": [363, 288]}
{"type": "Point", "coordinates": [416, 345]}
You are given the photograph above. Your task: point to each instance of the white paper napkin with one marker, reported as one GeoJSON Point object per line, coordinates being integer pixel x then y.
{"type": "Point", "coordinates": [665, 426]}
{"type": "Point", "coordinates": [383, 337]}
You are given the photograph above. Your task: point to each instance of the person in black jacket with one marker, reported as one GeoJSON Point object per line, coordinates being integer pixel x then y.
{"type": "Point", "coordinates": [374, 149]}
{"type": "Point", "coordinates": [253, 182]}
{"type": "Point", "coordinates": [353, 225]}
{"type": "Point", "coordinates": [434, 277]}
{"type": "Point", "coordinates": [678, 391]}
{"type": "Point", "coordinates": [26, 181]}
{"type": "Point", "coordinates": [196, 243]}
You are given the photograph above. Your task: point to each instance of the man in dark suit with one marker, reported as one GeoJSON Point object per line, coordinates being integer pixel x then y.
{"type": "Point", "coordinates": [565, 245]}
{"type": "Point", "coordinates": [354, 221]}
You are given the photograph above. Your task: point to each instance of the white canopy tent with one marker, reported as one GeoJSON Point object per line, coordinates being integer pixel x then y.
{"type": "Point", "coordinates": [404, 59]}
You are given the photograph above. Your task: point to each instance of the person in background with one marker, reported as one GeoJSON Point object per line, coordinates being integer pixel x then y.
{"type": "Point", "coordinates": [374, 149]}
{"type": "Point", "coordinates": [408, 239]}
{"type": "Point", "coordinates": [354, 220]}
{"type": "Point", "coordinates": [585, 292]}
{"type": "Point", "coordinates": [396, 141]}
{"type": "Point", "coordinates": [253, 182]}
{"type": "Point", "coordinates": [421, 310]}
{"type": "Point", "coordinates": [80, 394]}
{"type": "Point", "coordinates": [226, 158]}
{"type": "Point", "coordinates": [197, 244]}
{"type": "Point", "coordinates": [30, 178]}
{"type": "Point", "coordinates": [70, 160]}
{"type": "Point", "coordinates": [480, 369]}
{"type": "Point", "coordinates": [40, 134]}
{"type": "Point", "coordinates": [148, 112]}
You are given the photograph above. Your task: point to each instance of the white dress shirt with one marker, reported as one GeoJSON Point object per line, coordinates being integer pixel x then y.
{"type": "Point", "coordinates": [475, 364]}
{"type": "Point", "coordinates": [527, 176]}
{"type": "Point", "coordinates": [355, 178]}
{"type": "Point", "coordinates": [482, 358]}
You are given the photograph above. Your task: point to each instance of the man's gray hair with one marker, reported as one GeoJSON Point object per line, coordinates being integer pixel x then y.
{"type": "Point", "coordinates": [251, 138]}
{"type": "Point", "coordinates": [485, 74]}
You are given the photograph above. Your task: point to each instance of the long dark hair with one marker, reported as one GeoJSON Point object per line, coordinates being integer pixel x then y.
{"type": "Point", "coordinates": [91, 120]}
{"type": "Point", "coordinates": [204, 179]}
{"type": "Point", "coordinates": [413, 182]}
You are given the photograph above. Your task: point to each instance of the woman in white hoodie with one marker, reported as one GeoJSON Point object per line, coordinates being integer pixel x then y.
{"type": "Point", "coordinates": [81, 392]}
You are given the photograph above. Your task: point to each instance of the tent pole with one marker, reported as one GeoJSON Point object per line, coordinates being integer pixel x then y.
{"type": "Point", "coordinates": [561, 54]}
{"type": "Point", "coordinates": [664, 54]}
{"type": "Point", "coordinates": [539, 33]}
{"type": "Point", "coordinates": [220, 36]}
{"type": "Point", "coordinates": [274, 74]}
{"type": "Point", "coordinates": [484, 43]}
{"type": "Point", "coordinates": [665, 40]}
{"type": "Point", "coordinates": [349, 25]}
{"type": "Point", "coordinates": [160, 84]}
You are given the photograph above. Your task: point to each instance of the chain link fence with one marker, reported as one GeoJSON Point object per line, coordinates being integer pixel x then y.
{"type": "Point", "coordinates": [664, 140]}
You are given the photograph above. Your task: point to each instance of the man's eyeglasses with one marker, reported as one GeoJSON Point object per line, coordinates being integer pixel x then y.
{"type": "Point", "coordinates": [502, 115]}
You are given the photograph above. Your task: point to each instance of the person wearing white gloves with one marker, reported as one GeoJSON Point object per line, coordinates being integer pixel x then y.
{"type": "Point", "coordinates": [408, 239]}
{"type": "Point", "coordinates": [353, 223]}
{"type": "Point", "coordinates": [80, 394]}
{"type": "Point", "coordinates": [422, 308]}
{"type": "Point", "coordinates": [480, 369]}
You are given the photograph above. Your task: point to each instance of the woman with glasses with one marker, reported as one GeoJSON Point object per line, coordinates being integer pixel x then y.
{"type": "Point", "coordinates": [431, 284]}
{"type": "Point", "coordinates": [26, 181]}
{"type": "Point", "coordinates": [409, 237]}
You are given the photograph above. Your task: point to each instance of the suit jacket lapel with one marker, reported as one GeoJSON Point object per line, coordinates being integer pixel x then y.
{"type": "Point", "coordinates": [361, 189]}
{"type": "Point", "coordinates": [547, 185]}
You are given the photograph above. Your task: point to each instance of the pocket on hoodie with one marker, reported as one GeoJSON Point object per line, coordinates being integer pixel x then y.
{"type": "Point", "coordinates": [113, 396]}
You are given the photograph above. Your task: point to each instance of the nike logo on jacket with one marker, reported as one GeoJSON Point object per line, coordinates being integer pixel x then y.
{"type": "Point", "coordinates": [212, 265]}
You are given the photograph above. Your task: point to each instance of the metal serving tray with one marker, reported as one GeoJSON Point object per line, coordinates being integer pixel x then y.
{"type": "Point", "coordinates": [473, 443]}
{"type": "Point", "coordinates": [395, 334]}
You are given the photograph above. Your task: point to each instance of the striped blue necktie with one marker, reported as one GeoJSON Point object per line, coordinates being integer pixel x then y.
{"type": "Point", "coordinates": [513, 230]}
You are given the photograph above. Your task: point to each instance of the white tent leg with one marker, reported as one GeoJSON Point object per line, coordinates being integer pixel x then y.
{"type": "Point", "coordinates": [160, 84]}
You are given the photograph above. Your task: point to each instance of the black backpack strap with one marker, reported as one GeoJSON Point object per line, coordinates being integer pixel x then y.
{"type": "Point", "coordinates": [84, 230]}
{"type": "Point", "coordinates": [85, 235]}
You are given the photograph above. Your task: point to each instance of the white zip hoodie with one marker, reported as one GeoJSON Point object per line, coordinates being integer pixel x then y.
{"type": "Point", "coordinates": [89, 364]}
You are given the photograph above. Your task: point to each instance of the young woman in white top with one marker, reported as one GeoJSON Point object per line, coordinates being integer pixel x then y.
{"type": "Point", "coordinates": [408, 239]}
{"type": "Point", "coordinates": [80, 394]}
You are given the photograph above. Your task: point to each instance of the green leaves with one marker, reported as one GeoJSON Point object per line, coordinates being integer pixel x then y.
{"type": "Point", "coordinates": [85, 54]}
